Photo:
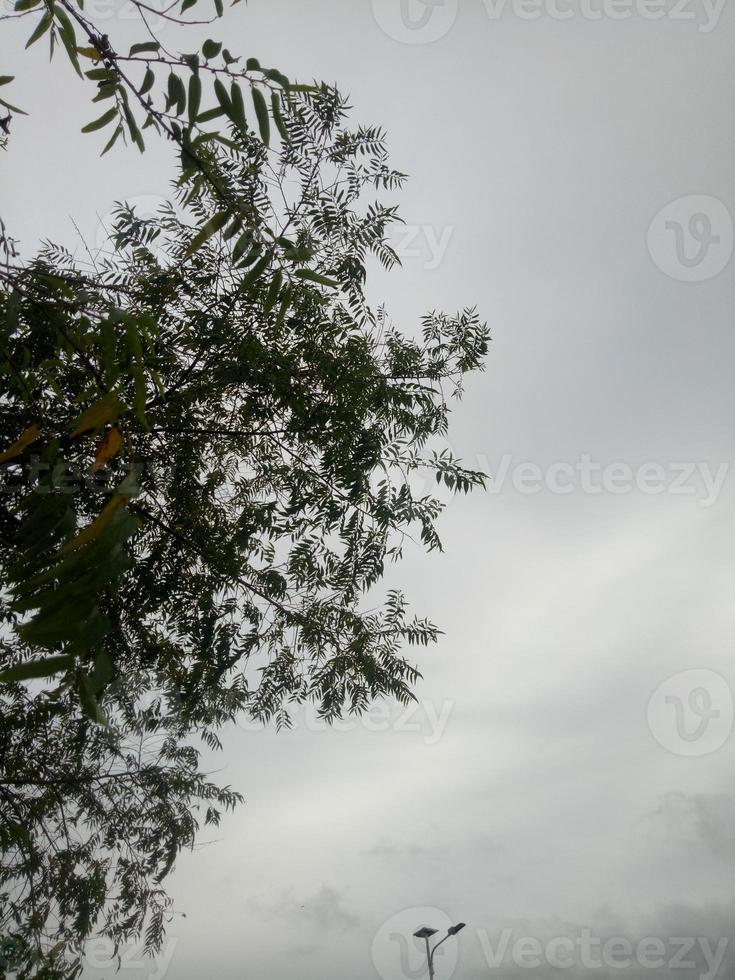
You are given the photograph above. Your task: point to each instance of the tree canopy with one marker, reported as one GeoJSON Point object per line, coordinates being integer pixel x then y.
{"type": "Point", "coordinates": [207, 442]}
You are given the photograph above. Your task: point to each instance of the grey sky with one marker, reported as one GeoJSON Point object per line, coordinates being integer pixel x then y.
{"type": "Point", "coordinates": [532, 788]}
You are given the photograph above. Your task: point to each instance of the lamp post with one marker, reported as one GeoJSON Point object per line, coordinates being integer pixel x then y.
{"type": "Point", "coordinates": [426, 933]}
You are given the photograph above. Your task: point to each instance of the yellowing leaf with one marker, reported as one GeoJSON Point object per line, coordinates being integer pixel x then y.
{"type": "Point", "coordinates": [30, 435]}
{"type": "Point", "coordinates": [91, 531]}
{"type": "Point", "coordinates": [107, 448]}
{"type": "Point", "coordinates": [91, 53]}
{"type": "Point", "coordinates": [105, 409]}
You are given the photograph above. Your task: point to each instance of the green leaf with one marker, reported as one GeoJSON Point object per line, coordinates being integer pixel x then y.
{"type": "Point", "coordinates": [133, 127]}
{"type": "Point", "coordinates": [209, 114]}
{"type": "Point", "coordinates": [25, 5]}
{"type": "Point", "coordinates": [152, 46]}
{"type": "Point", "coordinates": [298, 254]}
{"type": "Point", "coordinates": [102, 673]}
{"type": "Point", "coordinates": [4, 79]}
{"type": "Point", "coordinates": [36, 668]}
{"type": "Point", "coordinates": [101, 75]}
{"type": "Point", "coordinates": [243, 243]}
{"type": "Point", "coordinates": [89, 703]}
{"type": "Point", "coordinates": [222, 97]}
{"type": "Point", "coordinates": [186, 4]}
{"type": "Point", "coordinates": [256, 272]}
{"type": "Point", "coordinates": [68, 39]}
{"type": "Point", "coordinates": [274, 75]}
{"type": "Point", "coordinates": [210, 48]}
{"type": "Point", "coordinates": [234, 229]}
{"type": "Point", "coordinates": [13, 108]}
{"type": "Point", "coordinates": [41, 28]}
{"type": "Point", "coordinates": [102, 121]}
{"type": "Point", "coordinates": [285, 302]}
{"type": "Point", "coordinates": [195, 97]}
{"type": "Point", "coordinates": [302, 88]}
{"type": "Point", "coordinates": [238, 108]}
{"type": "Point", "coordinates": [112, 140]}
{"type": "Point", "coordinates": [278, 116]}
{"type": "Point", "coordinates": [229, 59]}
{"type": "Point", "coordinates": [312, 276]}
{"type": "Point", "coordinates": [148, 80]}
{"type": "Point", "coordinates": [261, 111]}
{"type": "Point", "coordinates": [219, 7]}
{"type": "Point", "coordinates": [105, 92]}
{"type": "Point", "coordinates": [252, 64]}
{"type": "Point", "coordinates": [273, 290]}
{"type": "Point", "coordinates": [176, 93]}
{"type": "Point", "coordinates": [207, 230]}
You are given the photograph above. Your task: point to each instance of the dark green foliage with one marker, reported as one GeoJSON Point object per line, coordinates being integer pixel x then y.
{"type": "Point", "coordinates": [207, 444]}
{"type": "Point", "coordinates": [92, 821]}
{"type": "Point", "coordinates": [267, 422]}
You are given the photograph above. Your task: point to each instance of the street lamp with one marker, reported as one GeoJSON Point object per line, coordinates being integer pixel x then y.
{"type": "Point", "coordinates": [426, 933]}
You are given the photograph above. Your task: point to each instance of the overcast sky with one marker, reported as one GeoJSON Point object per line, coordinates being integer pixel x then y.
{"type": "Point", "coordinates": [574, 177]}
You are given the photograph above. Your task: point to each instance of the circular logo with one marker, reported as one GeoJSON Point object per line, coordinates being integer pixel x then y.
{"type": "Point", "coordinates": [691, 713]}
{"type": "Point", "coordinates": [399, 955]}
{"type": "Point", "coordinates": [691, 239]}
{"type": "Point", "coordinates": [415, 21]}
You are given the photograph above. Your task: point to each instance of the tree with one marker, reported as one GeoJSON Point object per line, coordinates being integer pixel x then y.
{"type": "Point", "coordinates": [210, 441]}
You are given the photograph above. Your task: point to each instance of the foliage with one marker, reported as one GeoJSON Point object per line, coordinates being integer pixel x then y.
{"type": "Point", "coordinates": [93, 837]}
{"type": "Point", "coordinates": [209, 444]}
{"type": "Point", "coordinates": [125, 84]}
